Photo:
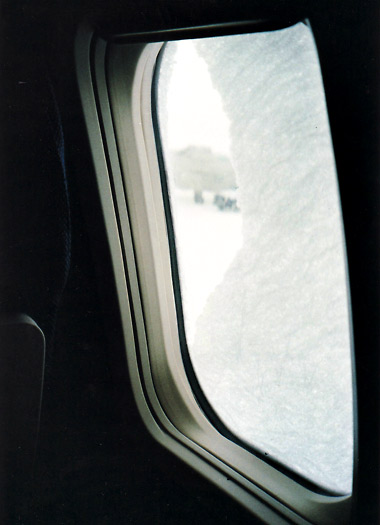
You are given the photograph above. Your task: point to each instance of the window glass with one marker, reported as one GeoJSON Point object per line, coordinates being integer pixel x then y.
{"type": "Point", "coordinates": [259, 242]}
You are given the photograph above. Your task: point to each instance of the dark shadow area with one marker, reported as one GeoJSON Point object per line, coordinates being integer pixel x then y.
{"type": "Point", "coordinates": [96, 463]}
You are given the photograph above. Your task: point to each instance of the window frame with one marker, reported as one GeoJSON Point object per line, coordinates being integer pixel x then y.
{"type": "Point", "coordinates": [115, 79]}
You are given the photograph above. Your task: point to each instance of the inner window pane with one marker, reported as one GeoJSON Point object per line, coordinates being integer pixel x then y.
{"type": "Point", "coordinates": [260, 247]}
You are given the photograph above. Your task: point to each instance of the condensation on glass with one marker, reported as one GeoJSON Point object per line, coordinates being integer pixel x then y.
{"type": "Point", "coordinates": [259, 239]}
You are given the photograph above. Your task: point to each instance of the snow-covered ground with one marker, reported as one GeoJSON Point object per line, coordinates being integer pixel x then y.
{"type": "Point", "coordinates": [209, 240]}
{"type": "Point", "coordinates": [264, 290]}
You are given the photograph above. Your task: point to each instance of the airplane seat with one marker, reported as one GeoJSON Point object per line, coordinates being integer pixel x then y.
{"type": "Point", "coordinates": [34, 257]}
{"type": "Point", "coordinates": [35, 217]}
{"type": "Point", "coordinates": [22, 353]}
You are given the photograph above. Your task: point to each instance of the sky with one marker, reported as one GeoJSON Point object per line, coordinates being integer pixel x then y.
{"type": "Point", "coordinates": [195, 111]}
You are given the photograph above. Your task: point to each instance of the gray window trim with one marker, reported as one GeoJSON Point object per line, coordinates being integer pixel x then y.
{"type": "Point", "coordinates": [115, 81]}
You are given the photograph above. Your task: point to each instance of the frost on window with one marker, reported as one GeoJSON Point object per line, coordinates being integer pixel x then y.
{"type": "Point", "coordinates": [260, 246]}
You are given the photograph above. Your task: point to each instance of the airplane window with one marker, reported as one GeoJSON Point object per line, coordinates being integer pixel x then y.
{"type": "Point", "coordinates": [259, 241]}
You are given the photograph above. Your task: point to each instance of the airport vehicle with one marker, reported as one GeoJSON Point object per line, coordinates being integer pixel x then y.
{"type": "Point", "coordinates": [103, 418]}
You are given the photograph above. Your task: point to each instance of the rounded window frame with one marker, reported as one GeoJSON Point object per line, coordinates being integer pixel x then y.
{"type": "Point", "coordinates": [115, 79]}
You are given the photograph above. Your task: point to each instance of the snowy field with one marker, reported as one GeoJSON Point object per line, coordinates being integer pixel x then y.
{"type": "Point", "coordinates": [264, 290]}
{"type": "Point", "coordinates": [209, 240]}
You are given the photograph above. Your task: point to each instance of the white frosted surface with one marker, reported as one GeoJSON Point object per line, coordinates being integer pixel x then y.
{"type": "Point", "coordinates": [264, 290]}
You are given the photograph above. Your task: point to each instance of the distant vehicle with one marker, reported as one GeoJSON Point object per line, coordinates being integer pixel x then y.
{"type": "Point", "coordinates": [225, 202]}
{"type": "Point", "coordinates": [200, 169]}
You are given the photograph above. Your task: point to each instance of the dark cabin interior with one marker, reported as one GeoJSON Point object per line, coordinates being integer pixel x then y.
{"type": "Point", "coordinates": [96, 462]}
